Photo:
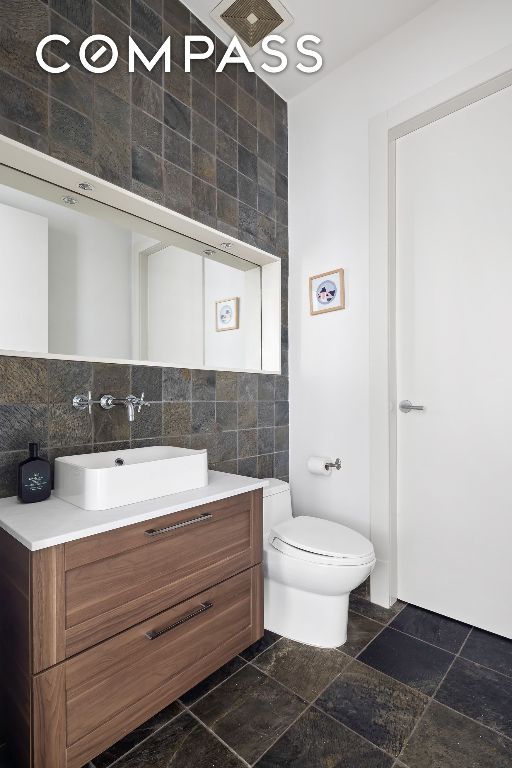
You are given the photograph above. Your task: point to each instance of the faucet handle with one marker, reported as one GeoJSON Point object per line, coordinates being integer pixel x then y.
{"type": "Point", "coordinates": [83, 402]}
{"type": "Point", "coordinates": [142, 403]}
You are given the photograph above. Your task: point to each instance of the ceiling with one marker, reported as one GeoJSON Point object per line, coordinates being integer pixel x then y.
{"type": "Point", "coordinates": [346, 28]}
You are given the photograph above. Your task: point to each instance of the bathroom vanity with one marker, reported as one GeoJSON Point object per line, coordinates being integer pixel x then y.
{"type": "Point", "coordinates": [109, 616]}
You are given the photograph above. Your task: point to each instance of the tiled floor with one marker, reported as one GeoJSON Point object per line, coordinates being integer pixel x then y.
{"type": "Point", "coordinates": [410, 689]}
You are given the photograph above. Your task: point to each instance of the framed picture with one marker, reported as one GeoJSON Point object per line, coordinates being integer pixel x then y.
{"type": "Point", "coordinates": [327, 292]}
{"type": "Point", "coordinates": [227, 312]}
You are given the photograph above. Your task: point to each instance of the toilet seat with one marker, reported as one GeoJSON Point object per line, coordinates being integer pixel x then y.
{"type": "Point", "coordinates": [322, 542]}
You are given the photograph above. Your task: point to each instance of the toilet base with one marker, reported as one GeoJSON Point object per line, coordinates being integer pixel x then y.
{"type": "Point", "coordinates": [306, 617]}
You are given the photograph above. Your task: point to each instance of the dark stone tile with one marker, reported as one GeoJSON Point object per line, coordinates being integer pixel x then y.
{"type": "Point", "coordinates": [302, 668]}
{"type": "Point", "coordinates": [226, 385]}
{"type": "Point", "coordinates": [227, 179]}
{"type": "Point", "coordinates": [110, 379]}
{"type": "Point", "coordinates": [204, 200]}
{"type": "Point", "coordinates": [150, 193]}
{"type": "Point", "coordinates": [112, 138]}
{"type": "Point", "coordinates": [266, 233]}
{"type": "Point", "coordinates": [266, 413]}
{"type": "Point", "coordinates": [115, 445]}
{"type": "Point", "coordinates": [227, 214]}
{"type": "Point", "coordinates": [23, 380]}
{"type": "Point", "coordinates": [110, 426]}
{"type": "Point", "coordinates": [489, 650]}
{"type": "Point", "coordinates": [248, 467]}
{"type": "Point", "coordinates": [265, 466]}
{"type": "Point", "coordinates": [247, 107]}
{"type": "Point", "coordinates": [226, 415]}
{"type": "Point", "coordinates": [177, 115]}
{"type": "Point", "coordinates": [281, 186]}
{"type": "Point", "coordinates": [146, 22]}
{"type": "Point", "coordinates": [265, 95]}
{"type": "Point", "coordinates": [266, 383]}
{"type": "Point", "coordinates": [147, 167]}
{"type": "Point", "coordinates": [282, 414]}
{"type": "Point", "coordinates": [204, 71]}
{"type": "Point", "coordinates": [22, 104]}
{"type": "Point", "coordinates": [24, 136]}
{"type": "Point", "coordinates": [148, 96]}
{"type": "Point", "coordinates": [265, 642]}
{"type": "Point", "coordinates": [248, 386]}
{"type": "Point", "coordinates": [147, 379]}
{"type": "Point", "coordinates": [203, 101]}
{"type": "Point", "coordinates": [203, 417]}
{"type": "Point", "coordinates": [248, 223]}
{"type": "Point", "coordinates": [480, 693]}
{"type": "Point", "coordinates": [148, 728]}
{"type": "Point", "coordinates": [281, 438]}
{"type": "Point", "coordinates": [281, 387]}
{"type": "Point", "coordinates": [9, 475]}
{"type": "Point", "coordinates": [148, 423]}
{"type": "Point", "coordinates": [177, 384]}
{"type": "Point", "coordinates": [146, 131]}
{"type": "Point", "coordinates": [117, 31]}
{"type": "Point", "coordinates": [281, 135]}
{"type": "Point", "coordinates": [247, 415]}
{"type": "Point", "coordinates": [316, 740]}
{"type": "Point", "coordinates": [445, 739]}
{"type": "Point", "coordinates": [374, 611]}
{"type": "Point", "coordinates": [178, 83]}
{"type": "Point", "coordinates": [247, 135]}
{"type": "Point", "coordinates": [226, 119]}
{"type": "Point", "coordinates": [177, 189]}
{"type": "Point", "coordinates": [247, 81]}
{"type": "Point", "coordinates": [247, 191]}
{"type": "Point", "coordinates": [121, 8]}
{"type": "Point", "coordinates": [177, 418]}
{"type": "Point", "coordinates": [73, 87]}
{"type": "Point", "coordinates": [265, 440]}
{"type": "Point", "coordinates": [432, 628]}
{"type": "Point", "coordinates": [361, 631]}
{"type": "Point", "coordinates": [247, 162]}
{"type": "Point", "coordinates": [247, 443]}
{"type": "Point", "coordinates": [68, 426]}
{"type": "Point", "coordinates": [231, 466]}
{"type": "Point", "coordinates": [282, 465]}
{"type": "Point", "coordinates": [78, 12]}
{"type": "Point", "coordinates": [266, 175]}
{"type": "Point", "coordinates": [203, 133]}
{"type": "Point", "coordinates": [203, 385]}
{"type": "Point", "coordinates": [227, 446]}
{"type": "Point", "coordinates": [184, 742]}
{"type": "Point", "coordinates": [281, 211]}
{"type": "Point", "coordinates": [177, 15]}
{"type": "Point", "coordinates": [373, 705]}
{"type": "Point", "coordinates": [409, 660]}
{"type": "Point", "coordinates": [212, 681]}
{"type": "Point", "coordinates": [61, 26]}
{"type": "Point", "coordinates": [227, 149]}
{"type": "Point", "coordinates": [282, 160]}
{"type": "Point", "coordinates": [248, 712]}
{"type": "Point", "coordinates": [149, 51]}
{"type": "Point", "coordinates": [22, 26]}
{"type": "Point", "coordinates": [280, 109]}
{"type": "Point", "coordinates": [206, 441]}
{"type": "Point", "coordinates": [203, 165]}
{"type": "Point", "coordinates": [177, 149]}
{"type": "Point", "coordinates": [22, 424]}
{"type": "Point", "coordinates": [70, 134]}
{"type": "Point", "coordinates": [225, 88]}
{"type": "Point", "coordinates": [267, 205]}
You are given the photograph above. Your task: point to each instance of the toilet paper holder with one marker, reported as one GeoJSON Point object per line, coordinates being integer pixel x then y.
{"type": "Point", "coordinates": [333, 465]}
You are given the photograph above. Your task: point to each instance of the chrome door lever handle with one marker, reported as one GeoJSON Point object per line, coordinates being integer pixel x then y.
{"type": "Point", "coordinates": [406, 407]}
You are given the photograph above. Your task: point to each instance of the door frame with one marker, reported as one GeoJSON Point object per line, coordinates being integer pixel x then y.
{"type": "Point", "coordinates": [483, 79]}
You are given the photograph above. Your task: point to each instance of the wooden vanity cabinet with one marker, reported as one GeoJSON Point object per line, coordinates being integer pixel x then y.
{"type": "Point", "coordinates": [100, 634]}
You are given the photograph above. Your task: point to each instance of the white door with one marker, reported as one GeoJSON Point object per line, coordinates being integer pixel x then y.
{"type": "Point", "coordinates": [454, 357]}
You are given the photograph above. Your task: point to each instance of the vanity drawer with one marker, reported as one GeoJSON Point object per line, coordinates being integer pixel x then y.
{"type": "Point", "coordinates": [137, 673]}
{"type": "Point", "coordinates": [117, 579]}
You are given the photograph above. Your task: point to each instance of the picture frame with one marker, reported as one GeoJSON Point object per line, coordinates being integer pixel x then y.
{"type": "Point", "coordinates": [227, 314]}
{"type": "Point", "coordinates": [327, 292]}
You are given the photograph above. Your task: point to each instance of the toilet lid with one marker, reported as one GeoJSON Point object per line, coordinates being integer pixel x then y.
{"type": "Point", "coordinates": [323, 538]}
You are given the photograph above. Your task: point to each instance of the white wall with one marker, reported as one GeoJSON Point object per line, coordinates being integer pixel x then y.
{"type": "Point", "coordinates": [329, 227]}
{"type": "Point", "coordinates": [24, 279]}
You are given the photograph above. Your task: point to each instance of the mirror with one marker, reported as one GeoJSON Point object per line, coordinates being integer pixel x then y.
{"type": "Point", "coordinates": [89, 281]}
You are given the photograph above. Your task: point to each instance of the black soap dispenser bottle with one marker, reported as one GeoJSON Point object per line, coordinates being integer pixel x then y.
{"type": "Point", "coordinates": [34, 478]}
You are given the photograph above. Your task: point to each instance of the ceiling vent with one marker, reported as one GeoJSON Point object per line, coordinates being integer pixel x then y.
{"type": "Point", "coordinates": [252, 20]}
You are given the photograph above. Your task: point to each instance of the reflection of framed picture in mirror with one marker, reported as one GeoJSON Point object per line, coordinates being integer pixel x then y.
{"type": "Point", "coordinates": [227, 313]}
{"type": "Point", "coordinates": [327, 292]}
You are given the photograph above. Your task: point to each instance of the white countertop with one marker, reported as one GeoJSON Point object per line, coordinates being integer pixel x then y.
{"type": "Point", "coordinates": [51, 522]}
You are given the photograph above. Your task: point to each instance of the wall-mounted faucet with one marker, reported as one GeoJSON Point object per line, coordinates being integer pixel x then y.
{"type": "Point", "coordinates": [131, 402]}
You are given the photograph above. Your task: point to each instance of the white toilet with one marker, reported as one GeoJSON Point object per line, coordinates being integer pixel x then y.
{"type": "Point", "coordinates": [310, 567]}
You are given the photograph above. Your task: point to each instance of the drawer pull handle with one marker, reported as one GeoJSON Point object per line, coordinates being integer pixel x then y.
{"type": "Point", "coordinates": [158, 632]}
{"type": "Point", "coordinates": [159, 531]}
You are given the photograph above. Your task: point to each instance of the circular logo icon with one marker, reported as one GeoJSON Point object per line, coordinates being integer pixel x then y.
{"type": "Point", "coordinates": [326, 292]}
{"type": "Point", "coordinates": [226, 314]}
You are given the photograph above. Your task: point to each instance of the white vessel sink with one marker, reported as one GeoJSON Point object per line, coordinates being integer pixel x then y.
{"type": "Point", "coordinates": [99, 481]}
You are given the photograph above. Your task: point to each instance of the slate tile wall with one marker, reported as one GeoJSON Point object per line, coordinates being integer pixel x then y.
{"type": "Point", "coordinates": [211, 146]}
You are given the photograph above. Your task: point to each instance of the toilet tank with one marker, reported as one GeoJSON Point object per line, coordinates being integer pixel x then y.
{"type": "Point", "coordinates": [277, 504]}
